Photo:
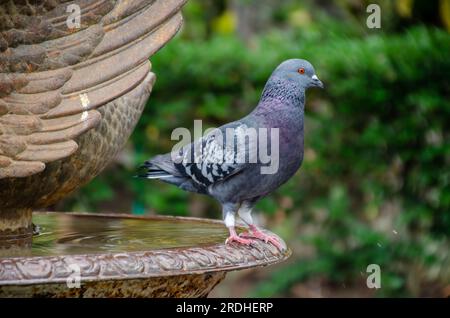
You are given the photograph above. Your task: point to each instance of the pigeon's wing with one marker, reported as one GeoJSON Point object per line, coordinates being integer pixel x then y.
{"type": "Point", "coordinates": [219, 155]}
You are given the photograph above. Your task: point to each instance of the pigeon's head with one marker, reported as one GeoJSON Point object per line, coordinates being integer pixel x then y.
{"type": "Point", "coordinates": [298, 72]}
{"type": "Point", "coordinates": [289, 82]}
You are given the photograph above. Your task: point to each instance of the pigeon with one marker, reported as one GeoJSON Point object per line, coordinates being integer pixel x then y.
{"type": "Point", "coordinates": [230, 164]}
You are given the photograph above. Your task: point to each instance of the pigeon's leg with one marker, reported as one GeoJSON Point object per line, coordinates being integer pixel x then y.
{"type": "Point", "coordinates": [255, 233]}
{"type": "Point", "coordinates": [229, 211]}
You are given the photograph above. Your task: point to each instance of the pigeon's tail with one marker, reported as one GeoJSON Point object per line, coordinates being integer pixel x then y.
{"type": "Point", "coordinates": [159, 167]}
{"type": "Point", "coordinates": [162, 167]}
{"type": "Point", "coordinates": [154, 174]}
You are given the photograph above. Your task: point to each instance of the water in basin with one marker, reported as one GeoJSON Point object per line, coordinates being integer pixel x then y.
{"type": "Point", "coordinates": [66, 234]}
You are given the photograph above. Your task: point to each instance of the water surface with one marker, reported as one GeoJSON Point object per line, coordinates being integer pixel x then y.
{"type": "Point", "coordinates": [66, 234]}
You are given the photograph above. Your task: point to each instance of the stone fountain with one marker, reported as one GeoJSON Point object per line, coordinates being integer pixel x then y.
{"type": "Point", "coordinates": [74, 79]}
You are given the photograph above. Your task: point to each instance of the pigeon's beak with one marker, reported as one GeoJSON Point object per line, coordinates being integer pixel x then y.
{"type": "Point", "coordinates": [316, 81]}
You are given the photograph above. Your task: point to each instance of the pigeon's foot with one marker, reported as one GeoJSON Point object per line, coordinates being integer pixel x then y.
{"type": "Point", "coordinates": [256, 233]}
{"type": "Point", "coordinates": [236, 238]}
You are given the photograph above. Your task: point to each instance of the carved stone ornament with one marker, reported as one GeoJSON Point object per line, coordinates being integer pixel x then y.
{"type": "Point", "coordinates": [74, 79]}
{"type": "Point", "coordinates": [159, 272]}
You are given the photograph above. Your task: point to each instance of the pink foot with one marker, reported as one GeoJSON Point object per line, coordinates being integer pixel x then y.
{"type": "Point", "coordinates": [236, 238]}
{"type": "Point", "coordinates": [255, 233]}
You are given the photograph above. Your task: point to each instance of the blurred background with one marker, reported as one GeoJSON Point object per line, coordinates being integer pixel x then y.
{"type": "Point", "coordinates": [374, 187]}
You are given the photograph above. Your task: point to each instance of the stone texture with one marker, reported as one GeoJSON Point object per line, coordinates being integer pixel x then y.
{"type": "Point", "coordinates": [181, 286]}
{"type": "Point", "coordinates": [179, 271]}
{"type": "Point", "coordinates": [70, 97]}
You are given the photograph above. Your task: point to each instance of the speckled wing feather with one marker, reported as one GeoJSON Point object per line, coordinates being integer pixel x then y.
{"type": "Point", "coordinates": [53, 80]}
{"type": "Point", "coordinates": [212, 159]}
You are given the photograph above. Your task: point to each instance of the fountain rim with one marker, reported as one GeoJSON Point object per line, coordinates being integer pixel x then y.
{"type": "Point", "coordinates": [138, 264]}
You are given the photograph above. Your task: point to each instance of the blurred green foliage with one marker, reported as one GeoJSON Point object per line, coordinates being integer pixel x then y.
{"type": "Point", "coordinates": [375, 183]}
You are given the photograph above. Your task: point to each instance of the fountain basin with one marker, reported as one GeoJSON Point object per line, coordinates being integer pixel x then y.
{"type": "Point", "coordinates": [113, 255]}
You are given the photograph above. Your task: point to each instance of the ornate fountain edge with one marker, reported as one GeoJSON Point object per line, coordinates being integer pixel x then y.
{"type": "Point", "coordinates": [137, 265]}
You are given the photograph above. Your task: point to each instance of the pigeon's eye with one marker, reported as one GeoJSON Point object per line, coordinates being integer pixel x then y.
{"type": "Point", "coordinates": [301, 70]}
